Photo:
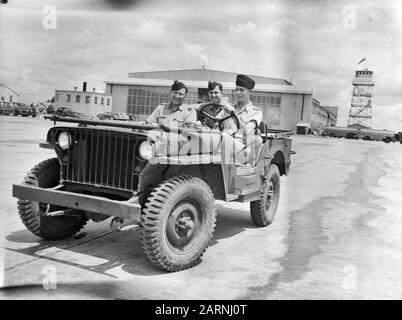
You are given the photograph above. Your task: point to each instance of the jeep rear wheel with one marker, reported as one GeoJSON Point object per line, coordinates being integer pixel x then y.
{"type": "Point", "coordinates": [177, 223]}
{"type": "Point", "coordinates": [33, 214]}
{"type": "Point", "coordinates": [263, 210]}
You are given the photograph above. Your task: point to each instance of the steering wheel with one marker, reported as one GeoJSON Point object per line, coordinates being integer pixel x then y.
{"type": "Point", "coordinates": [208, 116]}
{"type": "Point", "coordinates": [233, 116]}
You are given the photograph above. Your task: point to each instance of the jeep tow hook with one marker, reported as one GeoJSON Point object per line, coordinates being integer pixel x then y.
{"type": "Point", "coordinates": [118, 224]}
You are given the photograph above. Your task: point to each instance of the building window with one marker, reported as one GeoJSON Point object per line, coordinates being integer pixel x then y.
{"type": "Point", "coordinates": [269, 103]}
{"type": "Point", "coordinates": [108, 101]}
{"type": "Point", "coordinates": [87, 99]}
{"type": "Point", "coordinates": [96, 100]}
{"type": "Point", "coordinates": [57, 96]}
{"type": "Point", "coordinates": [274, 109]}
{"type": "Point", "coordinates": [68, 98]}
{"type": "Point", "coordinates": [102, 99]}
{"type": "Point", "coordinates": [77, 98]}
{"type": "Point", "coordinates": [144, 99]}
{"type": "Point", "coordinates": [11, 98]}
{"type": "Point", "coordinates": [192, 96]}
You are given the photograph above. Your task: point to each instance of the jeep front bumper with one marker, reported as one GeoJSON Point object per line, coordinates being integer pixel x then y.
{"type": "Point", "coordinates": [129, 209]}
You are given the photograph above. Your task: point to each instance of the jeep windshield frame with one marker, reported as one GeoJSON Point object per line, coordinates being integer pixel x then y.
{"type": "Point", "coordinates": [134, 126]}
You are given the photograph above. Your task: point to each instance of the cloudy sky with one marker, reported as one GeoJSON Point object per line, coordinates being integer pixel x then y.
{"type": "Point", "coordinates": [52, 44]}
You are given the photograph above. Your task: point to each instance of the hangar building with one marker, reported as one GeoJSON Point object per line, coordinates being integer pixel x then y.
{"type": "Point", "coordinates": [284, 105]}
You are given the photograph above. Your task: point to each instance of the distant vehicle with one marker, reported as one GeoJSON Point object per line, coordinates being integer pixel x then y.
{"type": "Point", "coordinates": [340, 132]}
{"type": "Point", "coordinates": [22, 110]}
{"type": "Point", "coordinates": [398, 137]}
{"type": "Point", "coordinates": [75, 114]}
{"type": "Point", "coordinates": [377, 135]}
{"type": "Point", "coordinates": [131, 116]}
{"type": "Point", "coordinates": [105, 116]}
{"type": "Point", "coordinates": [6, 110]}
{"type": "Point", "coordinates": [66, 112]}
{"type": "Point", "coordinates": [61, 111]}
{"type": "Point", "coordinates": [121, 116]}
{"type": "Point", "coordinates": [364, 134]}
{"type": "Point", "coordinates": [50, 109]}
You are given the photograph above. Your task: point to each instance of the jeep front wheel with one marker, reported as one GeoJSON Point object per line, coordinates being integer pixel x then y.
{"type": "Point", "coordinates": [177, 223]}
{"type": "Point", "coordinates": [33, 214]}
{"type": "Point", "coordinates": [263, 210]}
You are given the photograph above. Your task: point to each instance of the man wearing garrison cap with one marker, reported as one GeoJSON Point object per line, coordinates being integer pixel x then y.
{"type": "Point", "coordinates": [249, 117]}
{"type": "Point", "coordinates": [175, 111]}
{"type": "Point", "coordinates": [215, 95]}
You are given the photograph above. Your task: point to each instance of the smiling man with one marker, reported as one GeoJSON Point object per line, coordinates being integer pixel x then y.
{"type": "Point", "coordinates": [174, 112]}
{"type": "Point", "coordinates": [215, 94]}
{"type": "Point", "coordinates": [249, 115]}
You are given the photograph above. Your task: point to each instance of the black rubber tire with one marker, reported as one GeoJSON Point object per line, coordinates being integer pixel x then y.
{"type": "Point", "coordinates": [260, 215]}
{"type": "Point", "coordinates": [46, 174]}
{"type": "Point", "coordinates": [159, 213]}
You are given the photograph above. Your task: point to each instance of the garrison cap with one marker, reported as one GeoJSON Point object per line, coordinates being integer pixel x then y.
{"type": "Point", "coordinates": [213, 84]}
{"type": "Point", "coordinates": [244, 81]}
{"type": "Point", "coordinates": [177, 85]}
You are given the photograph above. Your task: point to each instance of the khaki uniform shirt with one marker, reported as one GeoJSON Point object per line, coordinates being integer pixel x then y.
{"type": "Point", "coordinates": [248, 113]}
{"type": "Point", "coordinates": [183, 113]}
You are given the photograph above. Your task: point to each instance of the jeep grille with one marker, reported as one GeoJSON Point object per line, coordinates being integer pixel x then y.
{"type": "Point", "coordinates": [101, 157]}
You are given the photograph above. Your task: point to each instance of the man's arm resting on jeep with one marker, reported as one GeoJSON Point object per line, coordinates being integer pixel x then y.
{"type": "Point", "coordinates": [153, 118]}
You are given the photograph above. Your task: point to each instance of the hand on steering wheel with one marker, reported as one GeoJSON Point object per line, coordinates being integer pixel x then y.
{"type": "Point", "coordinates": [214, 108]}
{"type": "Point", "coordinates": [235, 118]}
{"type": "Point", "coordinates": [208, 114]}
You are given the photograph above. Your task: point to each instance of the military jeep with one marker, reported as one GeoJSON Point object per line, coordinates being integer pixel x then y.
{"type": "Point", "coordinates": [134, 170]}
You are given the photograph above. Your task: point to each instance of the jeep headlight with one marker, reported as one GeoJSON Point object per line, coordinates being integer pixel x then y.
{"type": "Point", "coordinates": [64, 140]}
{"type": "Point", "coordinates": [146, 150]}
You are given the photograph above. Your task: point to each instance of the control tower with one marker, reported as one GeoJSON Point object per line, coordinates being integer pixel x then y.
{"type": "Point", "coordinates": [360, 109]}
